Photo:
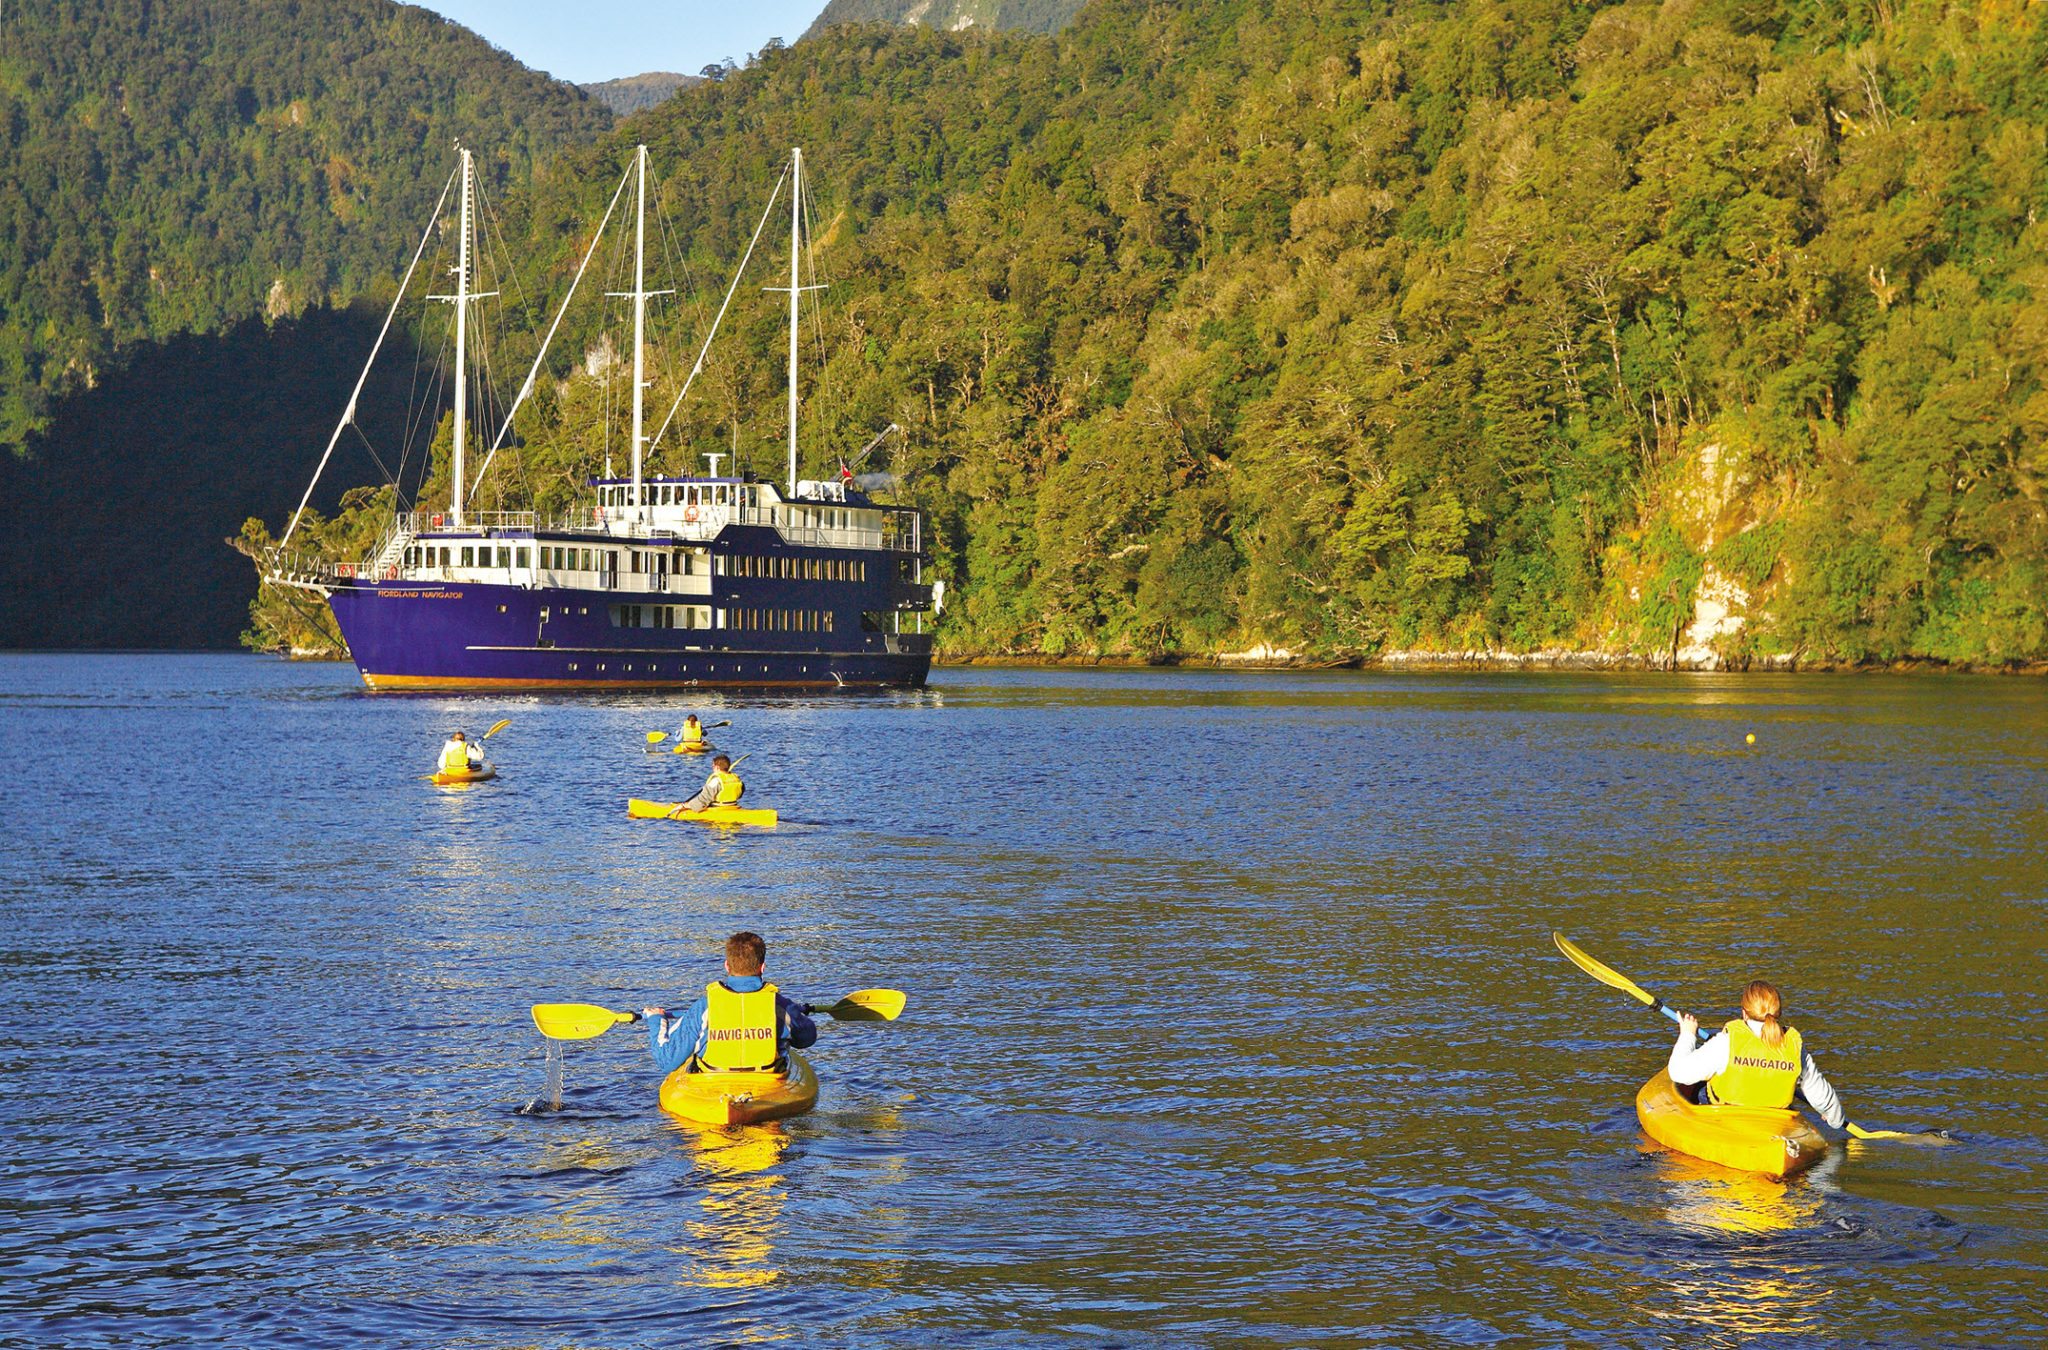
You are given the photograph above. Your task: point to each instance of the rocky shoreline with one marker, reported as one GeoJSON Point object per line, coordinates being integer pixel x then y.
{"type": "Point", "coordinates": [1563, 660]}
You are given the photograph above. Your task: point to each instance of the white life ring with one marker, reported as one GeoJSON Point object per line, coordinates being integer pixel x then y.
{"type": "Point", "coordinates": [391, 573]}
{"type": "Point", "coordinates": [690, 511]}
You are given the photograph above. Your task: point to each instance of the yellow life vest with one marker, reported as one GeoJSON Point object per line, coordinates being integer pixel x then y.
{"type": "Point", "coordinates": [693, 733]}
{"type": "Point", "coordinates": [1758, 1074]}
{"type": "Point", "coordinates": [739, 1029]}
{"type": "Point", "coordinates": [729, 788]}
{"type": "Point", "coordinates": [455, 757]}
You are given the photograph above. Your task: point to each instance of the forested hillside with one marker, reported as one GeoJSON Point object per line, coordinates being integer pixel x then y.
{"type": "Point", "coordinates": [1023, 16]}
{"type": "Point", "coordinates": [1692, 331]}
{"type": "Point", "coordinates": [177, 166]}
{"type": "Point", "coordinates": [635, 93]}
{"type": "Point", "coordinates": [1711, 330]}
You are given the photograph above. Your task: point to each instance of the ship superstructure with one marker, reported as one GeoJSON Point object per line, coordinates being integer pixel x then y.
{"type": "Point", "coordinates": [658, 581]}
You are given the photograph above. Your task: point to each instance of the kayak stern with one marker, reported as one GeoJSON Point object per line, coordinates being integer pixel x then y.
{"type": "Point", "coordinates": [740, 1097]}
{"type": "Point", "coordinates": [1749, 1139]}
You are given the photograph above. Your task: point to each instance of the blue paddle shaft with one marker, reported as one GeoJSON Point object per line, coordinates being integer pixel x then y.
{"type": "Point", "coordinates": [1672, 1013]}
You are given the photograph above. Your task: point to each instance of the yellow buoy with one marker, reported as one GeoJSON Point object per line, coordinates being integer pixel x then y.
{"type": "Point", "coordinates": [1750, 738]}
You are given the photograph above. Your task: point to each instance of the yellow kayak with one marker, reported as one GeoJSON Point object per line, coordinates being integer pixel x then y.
{"type": "Point", "coordinates": [641, 809]}
{"type": "Point", "coordinates": [740, 1097]}
{"type": "Point", "coordinates": [1747, 1138]}
{"type": "Point", "coordinates": [446, 779]}
{"type": "Point", "coordinates": [694, 747]}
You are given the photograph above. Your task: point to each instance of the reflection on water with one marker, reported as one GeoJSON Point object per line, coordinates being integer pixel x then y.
{"type": "Point", "coordinates": [732, 1245]}
{"type": "Point", "coordinates": [1707, 1196]}
{"type": "Point", "coordinates": [1756, 1274]}
{"type": "Point", "coordinates": [1234, 1017]}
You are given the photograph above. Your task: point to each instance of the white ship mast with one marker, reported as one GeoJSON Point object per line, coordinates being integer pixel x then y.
{"type": "Point", "coordinates": [639, 296]}
{"type": "Point", "coordinates": [796, 198]}
{"type": "Point", "coordinates": [639, 313]}
{"type": "Point", "coordinates": [461, 299]}
{"type": "Point", "coordinates": [796, 290]}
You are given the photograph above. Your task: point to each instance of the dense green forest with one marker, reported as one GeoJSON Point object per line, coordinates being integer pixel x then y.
{"type": "Point", "coordinates": [1461, 326]}
{"type": "Point", "coordinates": [179, 166]}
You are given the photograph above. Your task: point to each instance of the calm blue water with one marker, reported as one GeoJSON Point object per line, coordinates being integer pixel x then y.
{"type": "Point", "coordinates": [1233, 1014]}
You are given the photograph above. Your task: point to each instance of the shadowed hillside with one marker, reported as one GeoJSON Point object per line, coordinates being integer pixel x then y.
{"type": "Point", "coordinates": [175, 166]}
{"type": "Point", "coordinates": [116, 528]}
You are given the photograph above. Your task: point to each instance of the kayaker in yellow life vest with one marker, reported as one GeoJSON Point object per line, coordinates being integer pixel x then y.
{"type": "Point", "coordinates": [692, 732]}
{"type": "Point", "coordinates": [459, 756]}
{"type": "Point", "coordinates": [1754, 1061]}
{"type": "Point", "coordinates": [722, 788]}
{"type": "Point", "coordinates": [741, 1022]}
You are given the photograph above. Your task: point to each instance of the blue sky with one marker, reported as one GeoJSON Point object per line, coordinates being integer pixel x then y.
{"type": "Point", "coordinates": [587, 40]}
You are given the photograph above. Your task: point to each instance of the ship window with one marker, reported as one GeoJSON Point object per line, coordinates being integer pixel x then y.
{"type": "Point", "coordinates": [718, 618]}
{"type": "Point", "coordinates": [828, 620]}
{"type": "Point", "coordinates": [863, 565]}
{"type": "Point", "coordinates": [468, 556]}
{"type": "Point", "coordinates": [589, 559]}
{"type": "Point", "coordinates": [524, 554]}
{"type": "Point", "coordinates": [611, 561]}
{"type": "Point", "coordinates": [505, 557]}
{"type": "Point", "coordinates": [634, 554]}
{"type": "Point", "coordinates": [572, 665]}
{"type": "Point", "coordinates": [501, 609]}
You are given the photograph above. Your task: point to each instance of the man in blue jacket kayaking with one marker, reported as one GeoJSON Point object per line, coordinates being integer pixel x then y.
{"type": "Point", "coordinates": [741, 1022]}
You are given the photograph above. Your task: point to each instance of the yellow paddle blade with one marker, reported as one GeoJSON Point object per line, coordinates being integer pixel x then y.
{"type": "Point", "coordinates": [656, 737]}
{"type": "Point", "coordinates": [867, 1005]}
{"type": "Point", "coordinates": [576, 1021]}
{"type": "Point", "coordinates": [497, 727]}
{"type": "Point", "coordinates": [1918, 1136]}
{"type": "Point", "coordinates": [1607, 975]}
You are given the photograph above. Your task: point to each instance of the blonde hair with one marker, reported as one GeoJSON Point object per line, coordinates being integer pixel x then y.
{"type": "Point", "coordinates": [1761, 1002]}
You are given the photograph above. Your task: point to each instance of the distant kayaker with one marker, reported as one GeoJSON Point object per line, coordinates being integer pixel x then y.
{"type": "Point", "coordinates": [692, 732]}
{"type": "Point", "coordinates": [1755, 1061]}
{"type": "Point", "coordinates": [722, 788]}
{"type": "Point", "coordinates": [741, 1022]}
{"type": "Point", "coordinates": [459, 756]}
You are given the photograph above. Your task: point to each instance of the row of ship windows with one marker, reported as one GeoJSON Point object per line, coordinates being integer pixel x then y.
{"type": "Point", "coordinates": [697, 616]}
{"type": "Point", "coordinates": [781, 566]}
{"type": "Point", "coordinates": [787, 568]}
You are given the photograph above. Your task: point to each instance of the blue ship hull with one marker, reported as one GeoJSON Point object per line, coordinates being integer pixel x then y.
{"type": "Point", "coordinates": [467, 635]}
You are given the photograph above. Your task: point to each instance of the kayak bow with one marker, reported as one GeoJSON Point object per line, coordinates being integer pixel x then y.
{"type": "Point", "coordinates": [641, 809]}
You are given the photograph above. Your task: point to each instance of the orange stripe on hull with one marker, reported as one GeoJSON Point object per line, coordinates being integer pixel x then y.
{"type": "Point", "coordinates": [384, 684]}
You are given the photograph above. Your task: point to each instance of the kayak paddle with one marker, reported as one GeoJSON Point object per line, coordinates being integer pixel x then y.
{"type": "Point", "coordinates": [496, 727]}
{"type": "Point", "coordinates": [577, 1021]}
{"type": "Point", "coordinates": [585, 1021]}
{"type": "Point", "coordinates": [657, 737]}
{"type": "Point", "coordinates": [864, 1005]}
{"type": "Point", "coordinates": [1613, 978]}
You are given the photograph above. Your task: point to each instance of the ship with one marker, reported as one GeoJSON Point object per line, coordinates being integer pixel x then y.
{"type": "Point", "coordinates": [652, 581]}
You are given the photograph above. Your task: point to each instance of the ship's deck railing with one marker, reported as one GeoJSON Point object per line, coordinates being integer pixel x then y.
{"type": "Point", "coordinates": [900, 531]}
